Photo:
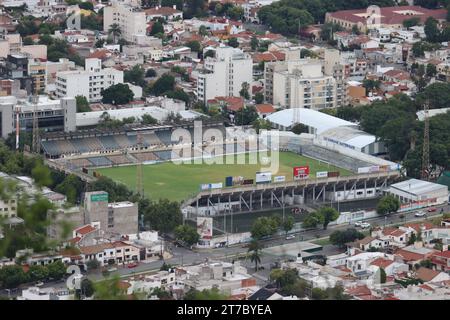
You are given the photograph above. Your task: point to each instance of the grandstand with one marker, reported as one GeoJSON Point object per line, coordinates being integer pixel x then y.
{"type": "Point", "coordinates": [119, 159]}
{"type": "Point", "coordinates": [145, 156]}
{"type": "Point", "coordinates": [60, 144]}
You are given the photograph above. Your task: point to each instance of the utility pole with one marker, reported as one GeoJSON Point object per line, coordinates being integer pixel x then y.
{"type": "Point", "coordinates": [425, 174]}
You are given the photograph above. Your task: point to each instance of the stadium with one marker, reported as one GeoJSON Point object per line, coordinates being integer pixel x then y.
{"type": "Point", "coordinates": [231, 182]}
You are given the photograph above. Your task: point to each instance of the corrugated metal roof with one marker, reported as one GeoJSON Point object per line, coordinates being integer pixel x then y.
{"type": "Point", "coordinates": [418, 187]}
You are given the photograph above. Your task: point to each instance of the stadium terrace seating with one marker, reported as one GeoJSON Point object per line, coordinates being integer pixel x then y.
{"type": "Point", "coordinates": [80, 145]}
{"type": "Point", "coordinates": [64, 147]}
{"type": "Point", "coordinates": [123, 141]}
{"type": "Point", "coordinates": [109, 143]}
{"type": "Point", "coordinates": [119, 159]}
{"type": "Point", "coordinates": [165, 136]}
{"type": "Point", "coordinates": [163, 155]}
{"type": "Point", "coordinates": [335, 158]}
{"type": "Point", "coordinates": [151, 139]}
{"type": "Point", "coordinates": [145, 156]}
{"type": "Point", "coordinates": [80, 163]}
{"type": "Point", "coordinates": [100, 161]}
{"type": "Point", "coordinates": [93, 144]}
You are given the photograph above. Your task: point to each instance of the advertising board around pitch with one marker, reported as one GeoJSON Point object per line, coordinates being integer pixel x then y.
{"type": "Point", "coordinates": [263, 177]}
{"type": "Point", "coordinates": [301, 172]}
{"type": "Point", "coordinates": [279, 179]}
{"type": "Point", "coordinates": [321, 174]}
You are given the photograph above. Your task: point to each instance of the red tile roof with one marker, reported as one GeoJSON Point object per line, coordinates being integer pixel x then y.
{"type": "Point", "coordinates": [426, 274]}
{"type": "Point", "coordinates": [265, 108]}
{"type": "Point", "coordinates": [359, 291]}
{"type": "Point", "coordinates": [85, 229]}
{"type": "Point", "coordinates": [409, 256]}
{"type": "Point", "coordinates": [382, 263]}
{"type": "Point", "coordinates": [233, 103]}
{"type": "Point", "coordinates": [161, 11]}
{"type": "Point", "coordinates": [445, 254]}
{"type": "Point", "coordinates": [416, 226]}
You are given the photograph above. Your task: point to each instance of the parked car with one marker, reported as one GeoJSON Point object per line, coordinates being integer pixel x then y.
{"type": "Point", "coordinates": [358, 224]}
{"type": "Point", "coordinates": [290, 237]}
{"type": "Point", "coordinates": [420, 214]}
{"type": "Point", "coordinates": [432, 210]}
{"type": "Point", "coordinates": [132, 265]}
{"type": "Point", "coordinates": [365, 225]}
{"type": "Point", "coordinates": [39, 284]}
{"type": "Point", "coordinates": [112, 269]}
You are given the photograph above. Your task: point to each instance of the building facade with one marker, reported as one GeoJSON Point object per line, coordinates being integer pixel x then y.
{"type": "Point", "coordinates": [131, 20]}
{"type": "Point", "coordinates": [224, 74]}
{"type": "Point", "coordinates": [89, 82]}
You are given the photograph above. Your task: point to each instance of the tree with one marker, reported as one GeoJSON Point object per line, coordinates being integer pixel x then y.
{"type": "Point", "coordinates": [328, 29]}
{"type": "Point", "coordinates": [165, 83]}
{"type": "Point", "coordinates": [37, 273]}
{"type": "Point", "coordinates": [150, 73]}
{"type": "Point", "coordinates": [117, 94]}
{"type": "Point", "coordinates": [109, 289]}
{"type": "Point", "coordinates": [115, 31]}
{"type": "Point", "coordinates": [287, 17]}
{"type": "Point", "coordinates": [187, 234]}
{"type": "Point", "coordinates": [87, 288]}
{"type": "Point", "coordinates": [327, 215]}
{"type": "Point", "coordinates": [82, 104]}
{"type": "Point", "coordinates": [209, 53]}
{"type": "Point", "coordinates": [56, 270]}
{"type": "Point", "coordinates": [255, 253]}
{"type": "Point", "coordinates": [245, 116]}
{"type": "Point", "coordinates": [431, 70]}
{"type": "Point", "coordinates": [93, 264]}
{"type": "Point", "coordinates": [244, 90]}
{"type": "Point", "coordinates": [72, 187]}
{"type": "Point", "coordinates": [431, 30]}
{"type": "Point", "coordinates": [318, 294]}
{"type": "Point", "coordinates": [382, 276]}
{"type": "Point", "coordinates": [163, 215]}
{"type": "Point", "coordinates": [388, 204]}
{"type": "Point", "coordinates": [408, 23]}
{"type": "Point", "coordinates": [371, 85]}
{"type": "Point", "coordinates": [311, 221]}
{"type": "Point", "coordinates": [157, 28]}
{"type": "Point", "coordinates": [254, 43]}
{"type": "Point", "coordinates": [233, 42]}
{"type": "Point", "coordinates": [264, 227]}
{"type": "Point", "coordinates": [12, 276]}
{"type": "Point", "coordinates": [340, 238]}
{"type": "Point", "coordinates": [135, 76]}
{"type": "Point", "coordinates": [86, 5]}
{"type": "Point", "coordinates": [288, 224]}
{"type": "Point", "coordinates": [205, 294]}
{"type": "Point", "coordinates": [203, 31]}
{"type": "Point", "coordinates": [194, 45]}
{"type": "Point", "coordinates": [41, 175]}
{"type": "Point", "coordinates": [261, 124]}
{"type": "Point", "coordinates": [259, 98]}
{"type": "Point", "coordinates": [436, 94]}
{"type": "Point", "coordinates": [179, 94]}
{"type": "Point", "coordinates": [300, 128]}
{"type": "Point", "coordinates": [27, 41]}
{"type": "Point", "coordinates": [148, 119]}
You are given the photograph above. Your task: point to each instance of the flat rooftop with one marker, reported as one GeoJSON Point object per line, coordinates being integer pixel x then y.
{"type": "Point", "coordinates": [417, 187]}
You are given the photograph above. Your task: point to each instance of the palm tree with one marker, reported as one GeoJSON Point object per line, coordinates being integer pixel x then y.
{"type": "Point", "coordinates": [255, 255]}
{"type": "Point", "coordinates": [114, 29]}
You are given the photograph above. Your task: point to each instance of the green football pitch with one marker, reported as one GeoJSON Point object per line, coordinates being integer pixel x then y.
{"type": "Point", "coordinates": [181, 181]}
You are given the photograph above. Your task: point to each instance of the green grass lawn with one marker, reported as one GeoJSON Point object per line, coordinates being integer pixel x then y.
{"type": "Point", "coordinates": [180, 181]}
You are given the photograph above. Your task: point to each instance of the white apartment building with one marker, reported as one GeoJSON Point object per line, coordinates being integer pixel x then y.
{"type": "Point", "coordinates": [131, 20]}
{"type": "Point", "coordinates": [224, 74]}
{"type": "Point", "coordinates": [89, 82]}
{"type": "Point", "coordinates": [300, 84]}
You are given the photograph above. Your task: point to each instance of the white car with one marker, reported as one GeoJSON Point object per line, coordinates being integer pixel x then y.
{"type": "Point", "coordinates": [39, 284]}
{"type": "Point", "coordinates": [420, 214]}
{"type": "Point", "coordinates": [290, 237]}
{"type": "Point", "coordinates": [365, 225]}
{"type": "Point", "coordinates": [358, 224]}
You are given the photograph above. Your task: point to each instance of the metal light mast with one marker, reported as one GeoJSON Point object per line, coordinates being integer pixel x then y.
{"type": "Point", "coordinates": [139, 182]}
{"type": "Point", "coordinates": [35, 146]}
{"type": "Point", "coordinates": [425, 174]}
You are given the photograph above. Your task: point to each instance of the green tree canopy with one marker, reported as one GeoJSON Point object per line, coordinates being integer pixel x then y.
{"type": "Point", "coordinates": [117, 94]}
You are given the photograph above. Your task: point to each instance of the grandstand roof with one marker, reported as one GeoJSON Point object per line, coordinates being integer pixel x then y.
{"type": "Point", "coordinates": [351, 136]}
{"type": "Point", "coordinates": [311, 118]}
{"type": "Point", "coordinates": [92, 118]}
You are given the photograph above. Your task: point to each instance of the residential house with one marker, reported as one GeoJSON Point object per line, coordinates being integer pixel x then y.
{"type": "Point", "coordinates": [441, 261]}
{"type": "Point", "coordinates": [429, 275]}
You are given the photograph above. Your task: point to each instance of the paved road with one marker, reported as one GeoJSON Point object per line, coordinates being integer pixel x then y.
{"type": "Point", "coordinates": [182, 256]}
